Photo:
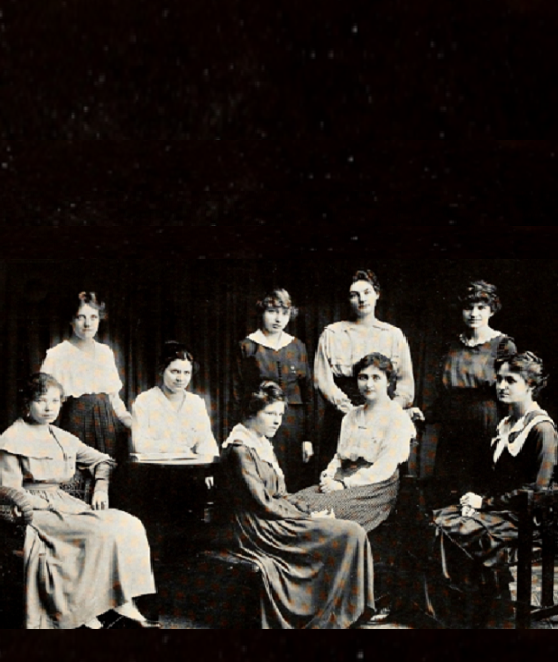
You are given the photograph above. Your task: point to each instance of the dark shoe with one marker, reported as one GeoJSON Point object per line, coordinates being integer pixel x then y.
{"type": "Point", "coordinates": [124, 623]}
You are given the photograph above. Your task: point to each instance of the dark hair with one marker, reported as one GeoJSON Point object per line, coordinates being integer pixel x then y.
{"type": "Point", "coordinates": [174, 351]}
{"type": "Point", "coordinates": [267, 393]}
{"type": "Point", "coordinates": [74, 303]}
{"type": "Point", "coordinates": [369, 276]}
{"type": "Point", "coordinates": [36, 386]}
{"type": "Point", "coordinates": [529, 366]}
{"type": "Point", "coordinates": [380, 362]}
{"type": "Point", "coordinates": [479, 291]}
{"type": "Point", "coordinates": [277, 298]}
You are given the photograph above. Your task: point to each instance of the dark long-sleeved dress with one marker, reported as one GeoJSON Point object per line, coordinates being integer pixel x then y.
{"type": "Point", "coordinates": [468, 412]}
{"type": "Point", "coordinates": [318, 573]}
{"type": "Point", "coordinates": [288, 367]}
{"type": "Point", "coordinates": [525, 456]}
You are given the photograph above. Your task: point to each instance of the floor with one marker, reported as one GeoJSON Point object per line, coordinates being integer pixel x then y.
{"type": "Point", "coordinates": [175, 581]}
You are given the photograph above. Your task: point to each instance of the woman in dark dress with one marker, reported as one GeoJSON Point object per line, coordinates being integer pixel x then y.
{"type": "Point", "coordinates": [318, 571]}
{"type": "Point", "coordinates": [479, 534]}
{"type": "Point", "coordinates": [467, 408]}
{"type": "Point", "coordinates": [272, 354]}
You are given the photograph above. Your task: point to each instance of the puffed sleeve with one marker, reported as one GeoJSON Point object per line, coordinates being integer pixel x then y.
{"type": "Point", "coordinates": [204, 443]}
{"type": "Point", "coordinates": [323, 374]}
{"type": "Point", "coordinates": [99, 464]}
{"type": "Point", "coordinates": [12, 476]}
{"type": "Point", "coordinates": [545, 440]}
{"type": "Point", "coordinates": [241, 464]}
{"type": "Point", "coordinates": [405, 386]}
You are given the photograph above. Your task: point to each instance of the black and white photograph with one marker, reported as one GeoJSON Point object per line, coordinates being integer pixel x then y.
{"type": "Point", "coordinates": [278, 287]}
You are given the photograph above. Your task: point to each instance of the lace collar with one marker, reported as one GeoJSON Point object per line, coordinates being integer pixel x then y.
{"type": "Point", "coordinates": [471, 342]}
{"type": "Point", "coordinates": [260, 338]}
{"type": "Point", "coordinates": [261, 445]}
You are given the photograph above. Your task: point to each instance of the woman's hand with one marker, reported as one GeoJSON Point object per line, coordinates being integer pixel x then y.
{"type": "Point", "coordinates": [345, 406]}
{"type": "Point", "coordinates": [328, 485]}
{"type": "Point", "coordinates": [16, 512]}
{"type": "Point", "coordinates": [471, 500]}
{"type": "Point", "coordinates": [100, 501]}
{"type": "Point", "coordinates": [415, 414]}
{"type": "Point", "coordinates": [209, 482]}
{"type": "Point", "coordinates": [325, 514]}
{"type": "Point", "coordinates": [307, 451]}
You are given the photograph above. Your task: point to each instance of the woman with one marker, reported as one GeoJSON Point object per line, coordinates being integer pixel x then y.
{"type": "Point", "coordinates": [272, 354]}
{"type": "Point", "coordinates": [87, 371]}
{"type": "Point", "coordinates": [169, 419]}
{"type": "Point", "coordinates": [343, 344]}
{"type": "Point", "coordinates": [80, 561]}
{"type": "Point", "coordinates": [362, 480]}
{"type": "Point", "coordinates": [479, 535]}
{"type": "Point", "coordinates": [467, 407]}
{"type": "Point", "coordinates": [318, 572]}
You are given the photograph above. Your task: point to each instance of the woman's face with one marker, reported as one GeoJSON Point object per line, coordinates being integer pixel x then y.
{"type": "Point", "coordinates": [46, 407]}
{"type": "Point", "coordinates": [363, 298]}
{"type": "Point", "coordinates": [268, 420]}
{"type": "Point", "coordinates": [477, 315]}
{"type": "Point", "coordinates": [511, 387]}
{"type": "Point", "coordinates": [274, 320]}
{"type": "Point", "coordinates": [177, 375]}
{"type": "Point", "coordinates": [86, 322]}
{"type": "Point", "coordinates": [373, 384]}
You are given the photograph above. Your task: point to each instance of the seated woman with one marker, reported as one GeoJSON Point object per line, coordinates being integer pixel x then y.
{"type": "Point", "coordinates": [80, 561]}
{"type": "Point", "coordinates": [479, 534]}
{"type": "Point", "coordinates": [318, 571]}
{"type": "Point", "coordinates": [169, 419]}
{"type": "Point", "coordinates": [362, 480]}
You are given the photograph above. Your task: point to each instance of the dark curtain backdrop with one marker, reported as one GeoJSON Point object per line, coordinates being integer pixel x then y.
{"type": "Point", "coordinates": [209, 304]}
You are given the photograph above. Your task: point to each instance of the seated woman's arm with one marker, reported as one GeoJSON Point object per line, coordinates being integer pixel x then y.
{"type": "Point", "coordinates": [143, 439]}
{"type": "Point", "coordinates": [12, 476]}
{"type": "Point", "coordinates": [100, 466]}
{"type": "Point", "coordinates": [244, 475]}
{"type": "Point", "coordinates": [545, 438]}
{"type": "Point", "coordinates": [204, 441]}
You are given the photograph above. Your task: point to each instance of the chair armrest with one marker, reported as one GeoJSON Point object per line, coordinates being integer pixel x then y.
{"type": "Point", "coordinates": [11, 497]}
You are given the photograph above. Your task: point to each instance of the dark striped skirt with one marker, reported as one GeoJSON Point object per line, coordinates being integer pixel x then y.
{"type": "Point", "coordinates": [369, 505]}
{"type": "Point", "coordinates": [91, 418]}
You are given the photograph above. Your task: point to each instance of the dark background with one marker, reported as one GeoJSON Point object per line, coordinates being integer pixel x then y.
{"type": "Point", "coordinates": [179, 156]}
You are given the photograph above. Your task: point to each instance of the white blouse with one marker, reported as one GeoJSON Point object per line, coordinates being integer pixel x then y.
{"type": "Point", "coordinates": [158, 427]}
{"type": "Point", "coordinates": [383, 442]}
{"type": "Point", "coordinates": [81, 373]}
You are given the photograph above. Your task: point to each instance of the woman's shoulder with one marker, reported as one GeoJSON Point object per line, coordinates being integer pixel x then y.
{"type": "Point", "coordinates": [337, 328]}
{"type": "Point", "coordinates": [149, 396]}
{"type": "Point", "coordinates": [64, 436]}
{"type": "Point", "coordinates": [61, 350]}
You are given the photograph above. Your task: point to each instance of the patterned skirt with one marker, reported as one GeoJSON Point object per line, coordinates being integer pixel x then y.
{"type": "Point", "coordinates": [369, 505]}
{"type": "Point", "coordinates": [91, 418]}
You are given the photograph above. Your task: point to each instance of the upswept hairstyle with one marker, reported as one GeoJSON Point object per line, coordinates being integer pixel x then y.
{"type": "Point", "coordinates": [36, 386]}
{"type": "Point", "coordinates": [84, 299]}
{"type": "Point", "coordinates": [267, 393]}
{"type": "Point", "coordinates": [173, 351]}
{"type": "Point", "coordinates": [369, 276]}
{"type": "Point", "coordinates": [479, 291]}
{"type": "Point", "coordinates": [277, 298]}
{"type": "Point", "coordinates": [529, 366]}
{"type": "Point", "coordinates": [381, 362]}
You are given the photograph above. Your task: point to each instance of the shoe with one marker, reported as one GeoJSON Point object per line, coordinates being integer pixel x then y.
{"type": "Point", "coordinates": [125, 623]}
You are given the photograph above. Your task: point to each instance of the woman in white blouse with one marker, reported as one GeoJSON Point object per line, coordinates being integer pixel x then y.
{"type": "Point", "coordinates": [169, 419]}
{"type": "Point", "coordinates": [87, 371]}
{"type": "Point", "coordinates": [343, 344]}
{"type": "Point", "coordinates": [361, 482]}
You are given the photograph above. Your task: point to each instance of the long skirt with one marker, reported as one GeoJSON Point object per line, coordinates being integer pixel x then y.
{"type": "Point", "coordinates": [318, 574]}
{"type": "Point", "coordinates": [81, 565]}
{"type": "Point", "coordinates": [91, 418]}
{"type": "Point", "coordinates": [369, 505]}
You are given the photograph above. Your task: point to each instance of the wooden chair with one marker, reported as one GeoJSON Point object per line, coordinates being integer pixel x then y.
{"type": "Point", "coordinates": [536, 546]}
{"type": "Point", "coordinates": [12, 540]}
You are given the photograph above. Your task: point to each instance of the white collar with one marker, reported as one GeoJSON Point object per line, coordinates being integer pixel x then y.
{"type": "Point", "coordinates": [259, 337]}
{"type": "Point", "coordinates": [505, 430]}
{"type": "Point", "coordinates": [470, 342]}
{"type": "Point", "coordinates": [261, 445]}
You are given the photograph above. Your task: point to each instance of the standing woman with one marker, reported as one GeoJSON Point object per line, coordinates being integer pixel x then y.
{"type": "Point", "coordinates": [87, 371]}
{"type": "Point", "coordinates": [467, 406]}
{"type": "Point", "coordinates": [271, 354]}
{"type": "Point", "coordinates": [343, 344]}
